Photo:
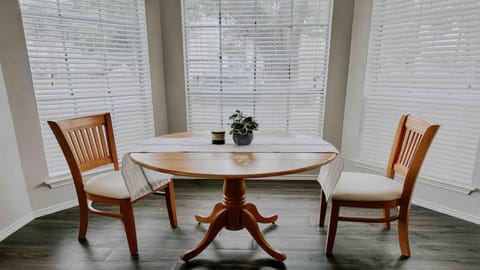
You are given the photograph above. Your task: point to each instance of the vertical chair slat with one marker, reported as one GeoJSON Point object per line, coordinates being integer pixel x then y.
{"type": "Point", "coordinates": [88, 146]}
{"type": "Point", "coordinates": [103, 141]}
{"type": "Point", "coordinates": [83, 150]}
{"type": "Point", "coordinates": [76, 146]}
{"type": "Point", "coordinates": [68, 137]}
{"type": "Point", "coordinates": [409, 148]}
{"type": "Point", "coordinates": [414, 147]}
{"type": "Point", "coordinates": [403, 148]}
{"type": "Point", "coordinates": [97, 138]}
{"type": "Point", "coordinates": [92, 143]}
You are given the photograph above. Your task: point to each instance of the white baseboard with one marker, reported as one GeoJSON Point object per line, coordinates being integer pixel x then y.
{"type": "Point", "coordinates": [54, 208]}
{"type": "Point", "coordinates": [448, 211]}
{"type": "Point", "coordinates": [15, 226]}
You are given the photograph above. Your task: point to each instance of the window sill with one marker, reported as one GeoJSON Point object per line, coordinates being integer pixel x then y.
{"type": "Point", "coordinates": [66, 179]}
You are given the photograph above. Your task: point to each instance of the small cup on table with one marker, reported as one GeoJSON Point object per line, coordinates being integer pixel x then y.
{"type": "Point", "coordinates": [218, 137]}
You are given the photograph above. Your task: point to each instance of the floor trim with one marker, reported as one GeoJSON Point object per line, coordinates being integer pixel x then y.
{"type": "Point", "coordinates": [54, 208]}
{"type": "Point", "coordinates": [17, 225]}
{"type": "Point", "coordinates": [447, 211]}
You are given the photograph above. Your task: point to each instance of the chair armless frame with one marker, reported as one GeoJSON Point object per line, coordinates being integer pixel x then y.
{"type": "Point", "coordinates": [412, 140]}
{"type": "Point", "coordinates": [88, 142]}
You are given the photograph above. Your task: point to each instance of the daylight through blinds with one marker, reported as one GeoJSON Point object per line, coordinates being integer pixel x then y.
{"type": "Point", "coordinates": [86, 57]}
{"type": "Point", "coordinates": [267, 58]}
{"type": "Point", "coordinates": [423, 59]}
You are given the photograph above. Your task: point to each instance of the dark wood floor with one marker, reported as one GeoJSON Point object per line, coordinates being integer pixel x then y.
{"type": "Point", "coordinates": [437, 241]}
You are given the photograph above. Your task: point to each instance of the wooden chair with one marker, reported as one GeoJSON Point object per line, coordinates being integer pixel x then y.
{"type": "Point", "coordinates": [361, 190]}
{"type": "Point", "coordinates": [87, 143]}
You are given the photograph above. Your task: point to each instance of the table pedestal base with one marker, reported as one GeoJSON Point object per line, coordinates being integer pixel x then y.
{"type": "Point", "coordinates": [234, 213]}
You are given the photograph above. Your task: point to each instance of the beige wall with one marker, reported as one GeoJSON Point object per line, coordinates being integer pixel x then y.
{"type": "Point", "coordinates": [14, 199]}
{"type": "Point", "coordinates": [155, 46]}
{"type": "Point", "coordinates": [19, 88]}
{"type": "Point", "coordinates": [338, 71]}
{"type": "Point", "coordinates": [173, 59]}
{"type": "Point", "coordinates": [356, 79]}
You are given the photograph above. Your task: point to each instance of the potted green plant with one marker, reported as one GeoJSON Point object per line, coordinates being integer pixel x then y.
{"type": "Point", "coordinates": [242, 128]}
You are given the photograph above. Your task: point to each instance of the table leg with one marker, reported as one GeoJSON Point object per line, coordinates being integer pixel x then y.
{"type": "Point", "coordinates": [220, 221]}
{"type": "Point", "coordinates": [211, 217]}
{"type": "Point", "coordinates": [252, 227]}
{"type": "Point", "coordinates": [234, 213]}
{"type": "Point", "coordinates": [258, 217]}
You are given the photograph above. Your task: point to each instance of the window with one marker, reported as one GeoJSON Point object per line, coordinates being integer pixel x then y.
{"type": "Point", "coordinates": [267, 58]}
{"type": "Point", "coordinates": [423, 59]}
{"type": "Point", "coordinates": [86, 57]}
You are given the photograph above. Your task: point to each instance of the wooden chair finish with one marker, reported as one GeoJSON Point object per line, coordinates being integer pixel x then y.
{"type": "Point", "coordinates": [412, 140]}
{"type": "Point", "coordinates": [88, 142]}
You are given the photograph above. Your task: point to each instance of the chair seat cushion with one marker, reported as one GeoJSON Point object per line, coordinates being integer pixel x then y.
{"type": "Point", "coordinates": [366, 187]}
{"type": "Point", "coordinates": [109, 185]}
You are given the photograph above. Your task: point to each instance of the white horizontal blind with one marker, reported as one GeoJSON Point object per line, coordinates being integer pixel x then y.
{"type": "Point", "coordinates": [267, 58]}
{"type": "Point", "coordinates": [88, 57]}
{"type": "Point", "coordinates": [424, 59]}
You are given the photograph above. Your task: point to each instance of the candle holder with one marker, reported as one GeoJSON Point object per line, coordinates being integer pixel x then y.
{"type": "Point", "coordinates": [218, 137]}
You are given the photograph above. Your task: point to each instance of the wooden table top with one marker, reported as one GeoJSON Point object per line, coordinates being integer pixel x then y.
{"type": "Point", "coordinates": [220, 165]}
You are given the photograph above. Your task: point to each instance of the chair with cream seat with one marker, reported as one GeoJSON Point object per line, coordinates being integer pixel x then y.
{"type": "Point", "coordinates": [87, 143]}
{"type": "Point", "coordinates": [361, 190]}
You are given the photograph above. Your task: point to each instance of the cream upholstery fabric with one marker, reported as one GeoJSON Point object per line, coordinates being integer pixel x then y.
{"type": "Point", "coordinates": [109, 185]}
{"type": "Point", "coordinates": [366, 187]}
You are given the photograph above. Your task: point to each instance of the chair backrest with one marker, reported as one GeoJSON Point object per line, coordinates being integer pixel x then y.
{"type": "Point", "coordinates": [409, 149]}
{"type": "Point", "coordinates": [87, 142]}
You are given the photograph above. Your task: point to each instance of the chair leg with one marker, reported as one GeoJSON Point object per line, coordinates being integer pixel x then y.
{"type": "Point", "coordinates": [403, 236]}
{"type": "Point", "coordinates": [332, 228]}
{"type": "Point", "coordinates": [171, 207]}
{"type": "Point", "coordinates": [82, 231]}
{"type": "Point", "coordinates": [129, 223]}
{"type": "Point", "coordinates": [386, 214]}
{"type": "Point", "coordinates": [323, 209]}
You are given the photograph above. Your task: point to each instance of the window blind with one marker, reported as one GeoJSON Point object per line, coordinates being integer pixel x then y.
{"type": "Point", "coordinates": [423, 59]}
{"type": "Point", "coordinates": [266, 58]}
{"type": "Point", "coordinates": [89, 57]}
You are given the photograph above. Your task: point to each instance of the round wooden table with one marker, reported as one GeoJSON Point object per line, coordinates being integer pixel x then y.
{"type": "Point", "coordinates": [234, 212]}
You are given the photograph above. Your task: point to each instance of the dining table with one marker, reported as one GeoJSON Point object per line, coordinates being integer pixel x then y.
{"type": "Point", "coordinates": [193, 155]}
